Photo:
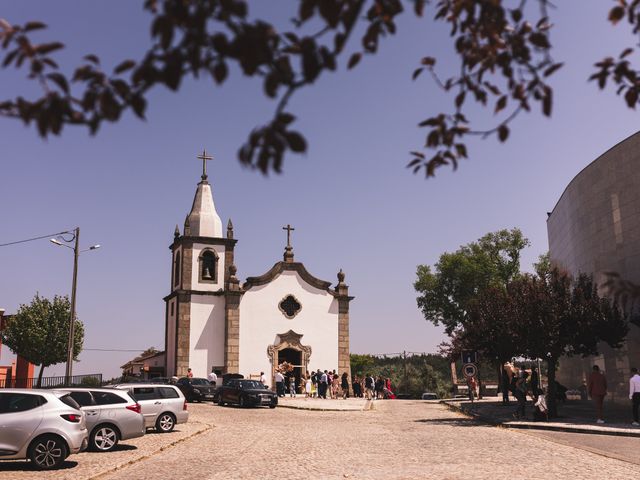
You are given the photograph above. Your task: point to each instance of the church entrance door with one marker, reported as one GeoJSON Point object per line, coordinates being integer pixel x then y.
{"type": "Point", "coordinates": [294, 357]}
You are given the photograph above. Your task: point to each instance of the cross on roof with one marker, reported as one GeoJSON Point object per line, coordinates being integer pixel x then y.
{"type": "Point", "coordinates": [288, 228]}
{"type": "Point", "coordinates": [204, 157]}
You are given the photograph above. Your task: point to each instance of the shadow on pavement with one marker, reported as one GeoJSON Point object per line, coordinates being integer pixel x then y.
{"type": "Point", "coordinates": [26, 466]}
{"type": "Point", "coordinates": [124, 447]}
{"type": "Point", "coordinates": [457, 422]}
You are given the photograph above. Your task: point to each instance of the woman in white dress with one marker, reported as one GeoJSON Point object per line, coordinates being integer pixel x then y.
{"type": "Point", "coordinates": [307, 387]}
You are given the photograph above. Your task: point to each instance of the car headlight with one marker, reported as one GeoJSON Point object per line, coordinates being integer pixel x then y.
{"type": "Point", "coordinates": [196, 390]}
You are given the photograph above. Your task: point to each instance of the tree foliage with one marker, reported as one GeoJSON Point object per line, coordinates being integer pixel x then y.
{"type": "Point", "coordinates": [503, 48]}
{"type": "Point", "coordinates": [424, 373]}
{"type": "Point", "coordinates": [39, 332]}
{"type": "Point", "coordinates": [447, 290]}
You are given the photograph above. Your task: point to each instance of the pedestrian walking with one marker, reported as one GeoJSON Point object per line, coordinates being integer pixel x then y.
{"type": "Point", "coordinates": [634, 395]}
{"type": "Point", "coordinates": [597, 391]}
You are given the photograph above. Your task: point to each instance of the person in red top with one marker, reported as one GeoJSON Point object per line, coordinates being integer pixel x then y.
{"type": "Point", "coordinates": [598, 390]}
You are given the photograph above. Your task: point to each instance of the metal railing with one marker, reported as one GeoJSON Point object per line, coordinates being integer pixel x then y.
{"type": "Point", "coordinates": [91, 380]}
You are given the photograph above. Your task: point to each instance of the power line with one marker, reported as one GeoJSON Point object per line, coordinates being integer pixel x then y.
{"type": "Point", "coordinates": [32, 239]}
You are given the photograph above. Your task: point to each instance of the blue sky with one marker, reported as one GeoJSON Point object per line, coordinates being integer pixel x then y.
{"type": "Point", "coordinates": [352, 201]}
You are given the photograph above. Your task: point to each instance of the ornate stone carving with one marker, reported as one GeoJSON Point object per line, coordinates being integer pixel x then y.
{"type": "Point", "coordinates": [292, 340]}
{"type": "Point", "coordinates": [290, 306]}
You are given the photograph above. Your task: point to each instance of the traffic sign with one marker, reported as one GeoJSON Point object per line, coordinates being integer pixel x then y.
{"type": "Point", "coordinates": [469, 356]}
{"type": "Point", "coordinates": [469, 370]}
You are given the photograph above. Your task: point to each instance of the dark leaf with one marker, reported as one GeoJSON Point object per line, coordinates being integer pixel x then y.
{"type": "Point", "coordinates": [616, 14]}
{"type": "Point", "coordinates": [460, 99]}
{"type": "Point", "coordinates": [48, 47]}
{"type": "Point", "coordinates": [631, 97]}
{"type": "Point", "coordinates": [547, 101]}
{"type": "Point", "coordinates": [29, 26]}
{"type": "Point", "coordinates": [428, 61]}
{"type": "Point", "coordinates": [416, 73]}
{"type": "Point", "coordinates": [124, 66]}
{"type": "Point", "coordinates": [539, 40]}
{"type": "Point", "coordinates": [549, 71]}
{"type": "Point", "coordinates": [296, 142]}
{"type": "Point", "coordinates": [516, 15]}
{"type": "Point", "coordinates": [92, 58]}
{"type": "Point", "coordinates": [59, 80]}
{"type": "Point", "coordinates": [626, 52]}
{"type": "Point", "coordinates": [503, 133]}
{"type": "Point", "coordinates": [353, 61]}
{"type": "Point", "coordinates": [139, 105]}
{"type": "Point", "coordinates": [501, 103]}
{"type": "Point", "coordinates": [220, 72]}
{"type": "Point", "coordinates": [285, 118]}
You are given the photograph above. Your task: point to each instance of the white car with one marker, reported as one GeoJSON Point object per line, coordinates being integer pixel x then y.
{"type": "Point", "coordinates": [163, 406]}
{"type": "Point", "coordinates": [45, 426]}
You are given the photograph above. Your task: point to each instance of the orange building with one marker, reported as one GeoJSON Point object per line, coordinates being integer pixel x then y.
{"type": "Point", "coordinates": [16, 374]}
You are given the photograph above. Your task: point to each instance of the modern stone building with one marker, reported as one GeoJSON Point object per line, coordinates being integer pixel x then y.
{"type": "Point", "coordinates": [215, 321]}
{"type": "Point", "coordinates": [595, 228]}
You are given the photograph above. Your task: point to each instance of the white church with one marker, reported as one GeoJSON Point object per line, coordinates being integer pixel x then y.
{"type": "Point", "coordinates": [213, 320]}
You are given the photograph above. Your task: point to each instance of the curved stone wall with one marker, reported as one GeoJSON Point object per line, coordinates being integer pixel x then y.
{"type": "Point", "coordinates": [595, 228]}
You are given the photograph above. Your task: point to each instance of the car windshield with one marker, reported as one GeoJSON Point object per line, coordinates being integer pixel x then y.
{"type": "Point", "coordinates": [250, 384]}
{"type": "Point", "coordinates": [200, 381]}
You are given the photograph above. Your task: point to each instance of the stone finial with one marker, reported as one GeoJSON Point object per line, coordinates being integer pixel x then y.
{"type": "Point", "coordinates": [176, 232]}
{"type": "Point", "coordinates": [342, 288]}
{"type": "Point", "coordinates": [229, 229]}
{"type": "Point", "coordinates": [233, 282]}
{"type": "Point", "coordinates": [288, 254]}
{"type": "Point", "coordinates": [187, 227]}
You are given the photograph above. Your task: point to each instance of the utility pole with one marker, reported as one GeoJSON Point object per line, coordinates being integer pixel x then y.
{"type": "Point", "coordinates": [404, 353]}
{"type": "Point", "coordinates": [72, 320]}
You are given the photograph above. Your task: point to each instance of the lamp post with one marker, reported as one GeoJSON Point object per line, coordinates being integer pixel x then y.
{"type": "Point", "coordinates": [76, 253]}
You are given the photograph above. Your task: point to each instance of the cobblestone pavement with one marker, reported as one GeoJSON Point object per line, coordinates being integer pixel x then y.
{"type": "Point", "coordinates": [88, 465]}
{"type": "Point", "coordinates": [394, 440]}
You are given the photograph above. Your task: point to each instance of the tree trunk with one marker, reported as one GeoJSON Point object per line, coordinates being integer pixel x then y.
{"type": "Point", "coordinates": [39, 384]}
{"type": "Point", "coordinates": [552, 404]}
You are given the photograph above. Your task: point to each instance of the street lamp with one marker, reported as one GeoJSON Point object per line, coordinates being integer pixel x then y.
{"type": "Point", "coordinates": [76, 253]}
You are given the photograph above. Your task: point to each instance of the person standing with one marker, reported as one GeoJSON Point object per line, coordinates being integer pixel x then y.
{"type": "Point", "coordinates": [279, 383]}
{"type": "Point", "coordinates": [322, 384]}
{"type": "Point", "coordinates": [598, 390]}
{"type": "Point", "coordinates": [307, 386]}
{"type": "Point", "coordinates": [634, 395]}
{"type": "Point", "coordinates": [263, 379]}
{"type": "Point", "coordinates": [534, 383]}
{"type": "Point", "coordinates": [189, 373]}
{"type": "Point", "coordinates": [504, 385]}
{"type": "Point", "coordinates": [212, 377]}
{"type": "Point", "coordinates": [345, 385]}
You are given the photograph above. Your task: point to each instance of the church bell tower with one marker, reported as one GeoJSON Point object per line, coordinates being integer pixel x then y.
{"type": "Point", "coordinates": [195, 319]}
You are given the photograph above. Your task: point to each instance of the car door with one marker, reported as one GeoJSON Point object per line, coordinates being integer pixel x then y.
{"type": "Point", "coordinates": [233, 391]}
{"type": "Point", "coordinates": [150, 402]}
{"type": "Point", "coordinates": [20, 416]}
{"type": "Point", "coordinates": [88, 406]}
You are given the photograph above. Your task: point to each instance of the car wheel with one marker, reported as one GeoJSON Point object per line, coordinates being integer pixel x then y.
{"type": "Point", "coordinates": [165, 423]}
{"type": "Point", "coordinates": [242, 403]}
{"type": "Point", "coordinates": [272, 406]}
{"type": "Point", "coordinates": [104, 438]}
{"type": "Point", "coordinates": [48, 452]}
{"type": "Point", "coordinates": [219, 401]}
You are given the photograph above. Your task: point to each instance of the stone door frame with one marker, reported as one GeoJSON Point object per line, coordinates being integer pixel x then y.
{"type": "Point", "coordinates": [286, 340]}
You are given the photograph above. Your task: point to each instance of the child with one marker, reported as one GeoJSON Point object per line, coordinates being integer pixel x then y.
{"type": "Point", "coordinates": [292, 387]}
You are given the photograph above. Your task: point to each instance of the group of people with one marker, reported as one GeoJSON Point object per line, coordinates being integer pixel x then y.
{"type": "Point", "coordinates": [520, 383]}
{"type": "Point", "coordinates": [330, 384]}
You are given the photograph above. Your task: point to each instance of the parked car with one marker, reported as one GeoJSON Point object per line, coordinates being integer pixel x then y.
{"type": "Point", "coordinates": [161, 380]}
{"type": "Point", "coordinates": [45, 426]}
{"type": "Point", "coordinates": [429, 396]}
{"type": "Point", "coordinates": [246, 393]}
{"type": "Point", "coordinates": [163, 406]}
{"type": "Point", "coordinates": [196, 389]}
{"type": "Point", "coordinates": [112, 415]}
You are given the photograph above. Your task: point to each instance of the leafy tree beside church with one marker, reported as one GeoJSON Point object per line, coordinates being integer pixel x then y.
{"type": "Point", "coordinates": [39, 332]}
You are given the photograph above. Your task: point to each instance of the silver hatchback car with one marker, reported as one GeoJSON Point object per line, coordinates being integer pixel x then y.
{"type": "Point", "coordinates": [163, 406]}
{"type": "Point", "coordinates": [112, 415]}
{"type": "Point", "coordinates": [45, 426]}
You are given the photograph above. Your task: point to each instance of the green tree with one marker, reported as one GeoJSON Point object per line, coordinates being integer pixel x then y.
{"type": "Point", "coordinates": [503, 48]}
{"type": "Point", "coordinates": [558, 315]}
{"type": "Point", "coordinates": [447, 291]}
{"type": "Point", "coordinates": [39, 332]}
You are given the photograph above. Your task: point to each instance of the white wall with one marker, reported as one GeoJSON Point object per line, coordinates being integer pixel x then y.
{"type": "Point", "coordinates": [195, 271]}
{"type": "Point", "coordinates": [261, 320]}
{"type": "Point", "coordinates": [206, 340]}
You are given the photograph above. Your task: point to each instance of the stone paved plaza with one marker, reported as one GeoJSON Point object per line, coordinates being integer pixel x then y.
{"type": "Point", "coordinates": [395, 439]}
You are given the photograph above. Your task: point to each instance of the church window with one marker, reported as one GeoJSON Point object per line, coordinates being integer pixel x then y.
{"type": "Point", "coordinates": [290, 306]}
{"type": "Point", "coordinates": [208, 266]}
{"type": "Point", "coordinates": [176, 272]}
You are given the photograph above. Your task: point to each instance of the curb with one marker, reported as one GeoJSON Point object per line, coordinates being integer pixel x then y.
{"type": "Point", "coordinates": [538, 426]}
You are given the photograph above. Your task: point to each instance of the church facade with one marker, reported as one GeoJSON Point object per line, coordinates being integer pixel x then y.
{"type": "Point", "coordinates": [213, 320]}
